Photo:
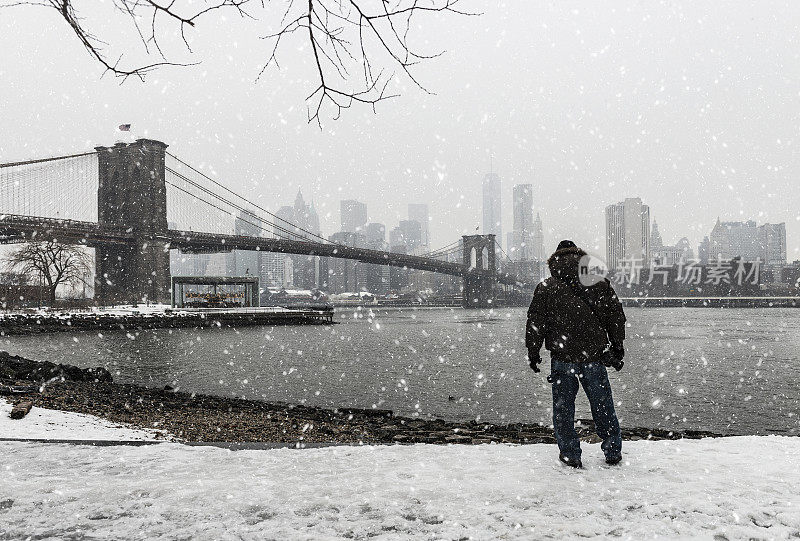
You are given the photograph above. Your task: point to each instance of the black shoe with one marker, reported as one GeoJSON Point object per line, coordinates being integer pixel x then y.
{"type": "Point", "coordinates": [573, 462]}
{"type": "Point", "coordinates": [614, 459]}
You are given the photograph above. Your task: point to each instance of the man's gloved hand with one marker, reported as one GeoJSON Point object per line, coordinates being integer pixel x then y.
{"type": "Point", "coordinates": [534, 359]}
{"type": "Point", "coordinates": [613, 359]}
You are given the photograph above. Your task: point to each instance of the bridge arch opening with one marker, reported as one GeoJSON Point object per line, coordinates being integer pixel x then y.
{"type": "Point", "coordinates": [485, 258]}
{"type": "Point", "coordinates": [473, 258]}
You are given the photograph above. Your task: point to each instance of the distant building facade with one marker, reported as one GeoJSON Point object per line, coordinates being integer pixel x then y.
{"type": "Point", "coordinates": [748, 241]}
{"type": "Point", "coordinates": [655, 237]}
{"type": "Point", "coordinates": [353, 215]}
{"type": "Point", "coordinates": [773, 244]}
{"type": "Point", "coordinates": [418, 212]}
{"type": "Point", "coordinates": [627, 233]}
{"type": "Point", "coordinates": [410, 235]}
{"type": "Point", "coordinates": [662, 255]}
{"type": "Point", "coordinates": [299, 221]}
{"type": "Point", "coordinates": [347, 275]}
{"type": "Point", "coordinates": [377, 276]}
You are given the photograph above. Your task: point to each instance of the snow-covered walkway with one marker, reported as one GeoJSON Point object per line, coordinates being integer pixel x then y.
{"type": "Point", "coordinates": [732, 488]}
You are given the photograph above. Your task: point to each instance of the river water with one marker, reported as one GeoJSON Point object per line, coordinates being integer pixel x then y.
{"type": "Point", "coordinates": [728, 371]}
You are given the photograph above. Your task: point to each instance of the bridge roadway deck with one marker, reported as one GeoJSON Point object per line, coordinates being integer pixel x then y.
{"type": "Point", "coordinates": [14, 228]}
{"type": "Point", "coordinates": [188, 241]}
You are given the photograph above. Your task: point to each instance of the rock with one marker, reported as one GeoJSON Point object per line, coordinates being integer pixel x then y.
{"type": "Point", "coordinates": [19, 368]}
{"type": "Point", "coordinates": [6, 504]}
{"type": "Point", "coordinates": [456, 438]}
{"type": "Point", "coordinates": [21, 410]}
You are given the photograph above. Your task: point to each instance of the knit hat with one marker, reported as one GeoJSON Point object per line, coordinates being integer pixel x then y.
{"type": "Point", "coordinates": [566, 244]}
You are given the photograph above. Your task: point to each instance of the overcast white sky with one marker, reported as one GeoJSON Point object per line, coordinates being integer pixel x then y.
{"type": "Point", "coordinates": [692, 106]}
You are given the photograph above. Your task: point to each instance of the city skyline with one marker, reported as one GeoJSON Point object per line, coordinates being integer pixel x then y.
{"type": "Point", "coordinates": [777, 235]}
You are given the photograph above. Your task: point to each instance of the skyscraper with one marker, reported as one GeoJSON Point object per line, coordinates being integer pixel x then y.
{"type": "Point", "coordinates": [376, 235]}
{"type": "Point", "coordinates": [538, 240]}
{"type": "Point", "coordinates": [773, 243]}
{"type": "Point", "coordinates": [492, 220]}
{"type": "Point", "coordinates": [347, 275]}
{"type": "Point", "coordinates": [377, 276]}
{"type": "Point", "coordinates": [521, 248]}
{"type": "Point", "coordinates": [353, 215]}
{"type": "Point", "coordinates": [750, 242]}
{"type": "Point", "coordinates": [655, 237]}
{"type": "Point", "coordinates": [627, 233]}
{"type": "Point", "coordinates": [305, 268]}
{"type": "Point", "coordinates": [734, 239]}
{"type": "Point", "coordinates": [411, 231]}
{"type": "Point", "coordinates": [418, 212]}
{"type": "Point", "coordinates": [277, 270]}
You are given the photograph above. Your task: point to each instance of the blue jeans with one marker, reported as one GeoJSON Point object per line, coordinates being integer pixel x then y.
{"type": "Point", "coordinates": [594, 379]}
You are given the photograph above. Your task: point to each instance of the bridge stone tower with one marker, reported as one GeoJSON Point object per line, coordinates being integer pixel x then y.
{"type": "Point", "coordinates": [132, 195]}
{"type": "Point", "coordinates": [480, 277]}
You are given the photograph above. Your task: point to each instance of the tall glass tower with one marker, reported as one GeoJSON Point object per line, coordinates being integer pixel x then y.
{"type": "Point", "coordinates": [492, 220]}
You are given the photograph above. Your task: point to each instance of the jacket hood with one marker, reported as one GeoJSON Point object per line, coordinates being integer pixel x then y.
{"type": "Point", "coordinates": [563, 264]}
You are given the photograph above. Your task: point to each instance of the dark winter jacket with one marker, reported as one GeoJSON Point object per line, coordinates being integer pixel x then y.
{"type": "Point", "coordinates": [575, 322]}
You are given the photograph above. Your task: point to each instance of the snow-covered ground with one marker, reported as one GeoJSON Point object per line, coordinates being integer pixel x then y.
{"type": "Point", "coordinates": [732, 488]}
{"type": "Point", "coordinates": [43, 423]}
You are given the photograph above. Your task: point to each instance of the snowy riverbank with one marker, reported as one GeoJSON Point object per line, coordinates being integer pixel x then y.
{"type": "Point", "coordinates": [49, 424]}
{"type": "Point", "coordinates": [726, 488]}
{"type": "Point", "coordinates": [713, 488]}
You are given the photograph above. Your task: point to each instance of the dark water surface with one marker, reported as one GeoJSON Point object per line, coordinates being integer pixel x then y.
{"type": "Point", "coordinates": [729, 371]}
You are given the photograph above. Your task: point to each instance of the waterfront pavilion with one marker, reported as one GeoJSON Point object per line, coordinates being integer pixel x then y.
{"type": "Point", "coordinates": [215, 292]}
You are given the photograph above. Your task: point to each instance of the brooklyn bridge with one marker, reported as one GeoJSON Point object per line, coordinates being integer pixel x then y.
{"type": "Point", "coordinates": [120, 199]}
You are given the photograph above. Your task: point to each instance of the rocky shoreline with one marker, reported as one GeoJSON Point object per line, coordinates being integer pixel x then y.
{"type": "Point", "coordinates": [201, 418]}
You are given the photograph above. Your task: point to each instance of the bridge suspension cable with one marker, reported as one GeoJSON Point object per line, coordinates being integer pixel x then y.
{"type": "Point", "coordinates": [312, 234]}
{"type": "Point", "coordinates": [216, 207]}
{"type": "Point", "coordinates": [227, 202]}
{"type": "Point", "coordinates": [61, 187]}
{"type": "Point", "coordinates": [448, 249]}
{"type": "Point", "coordinates": [43, 160]}
{"type": "Point", "coordinates": [499, 247]}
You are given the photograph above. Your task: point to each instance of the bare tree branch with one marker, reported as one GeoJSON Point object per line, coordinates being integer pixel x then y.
{"type": "Point", "coordinates": [344, 36]}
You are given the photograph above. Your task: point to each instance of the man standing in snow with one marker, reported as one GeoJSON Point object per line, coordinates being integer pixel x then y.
{"type": "Point", "coordinates": [583, 327]}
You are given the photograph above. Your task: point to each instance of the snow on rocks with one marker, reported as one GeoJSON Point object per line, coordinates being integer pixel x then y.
{"type": "Point", "coordinates": [724, 488]}
{"type": "Point", "coordinates": [48, 424]}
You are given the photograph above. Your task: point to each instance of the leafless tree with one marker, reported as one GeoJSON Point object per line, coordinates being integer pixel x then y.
{"type": "Point", "coordinates": [52, 263]}
{"type": "Point", "coordinates": [357, 45]}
